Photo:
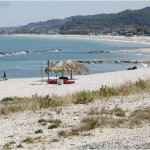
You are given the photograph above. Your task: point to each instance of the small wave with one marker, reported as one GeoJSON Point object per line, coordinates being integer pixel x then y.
{"type": "Point", "coordinates": [144, 65]}
{"type": "Point", "coordinates": [28, 52]}
{"type": "Point", "coordinates": [18, 53]}
{"type": "Point", "coordinates": [139, 54]}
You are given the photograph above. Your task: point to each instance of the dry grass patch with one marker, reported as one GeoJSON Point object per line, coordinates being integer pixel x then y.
{"type": "Point", "coordinates": [94, 111]}
{"type": "Point", "coordinates": [87, 124]}
{"type": "Point", "coordinates": [62, 133]}
{"type": "Point", "coordinates": [143, 114]}
{"type": "Point", "coordinates": [54, 140]}
{"type": "Point", "coordinates": [66, 134]}
{"type": "Point", "coordinates": [58, 121]}
{"type": "Point", "coordinates": [118, 112]}
{"type": "Point", "coordinates": [30, 140]}
{"type": "Point", "coordinates": [8, 145]}
{"type": "Point", "coordinates": [106, 118]}
{"type": "Point", "coordinates": [138, 117]}
{"type": "Point", "coordinates": [54, 123]}
{"type": "Point", "coordinates": [15, 104]}
{"type": "Point", "coordinates": [125, 89]}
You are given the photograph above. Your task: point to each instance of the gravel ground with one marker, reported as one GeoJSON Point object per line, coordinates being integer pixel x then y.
{"type": "Point", "coordinates": [19, 126]}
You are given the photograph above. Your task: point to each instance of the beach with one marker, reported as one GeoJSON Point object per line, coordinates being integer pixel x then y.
{"type": "Point", "coordinates": [26, 87]}
{"type": "Point", "coordinates": [17, 127]}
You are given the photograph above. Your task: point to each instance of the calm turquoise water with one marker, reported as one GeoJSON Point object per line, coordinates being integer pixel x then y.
{"type": "Point", "coordinates": [29, 65]}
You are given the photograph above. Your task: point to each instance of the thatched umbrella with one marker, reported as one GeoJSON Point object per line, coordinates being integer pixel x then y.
{"type": "Point", "coordinates": [77, 67]}
{"type": "Point", "coordinates": [59, 67]}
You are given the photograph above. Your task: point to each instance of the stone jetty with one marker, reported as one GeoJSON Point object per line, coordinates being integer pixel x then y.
{"type": "Point", "coordinates": [100, 51]}
{"type": "Point", "coordinates": [110, 62]}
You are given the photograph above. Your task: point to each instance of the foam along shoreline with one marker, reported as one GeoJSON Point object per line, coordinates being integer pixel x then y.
{"type": "Point", "coordinates": [133, 39]}
{"type": "Point", "coordinates": [27, 87]}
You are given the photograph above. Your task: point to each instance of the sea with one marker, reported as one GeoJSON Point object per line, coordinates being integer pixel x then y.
{"type": "Point", "coordinates": [27, 56]}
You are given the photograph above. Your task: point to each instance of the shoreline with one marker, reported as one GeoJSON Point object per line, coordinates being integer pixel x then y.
{"type": "Point", "coordinates": [134, 39]}
{"type": "Point", "coordinates": [26, 87]}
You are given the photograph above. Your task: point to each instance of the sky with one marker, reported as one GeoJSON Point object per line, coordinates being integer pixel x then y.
{"type": "Point", "coordinates": [15, 13]}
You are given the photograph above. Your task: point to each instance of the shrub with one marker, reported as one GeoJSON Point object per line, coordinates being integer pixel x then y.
{"type": "Point", "coordinates": [57, 121]}
{"type": "Point", "coordinates": [42, 120]}
{"type": "Point", "coordinates": [39, 131]}
{"type": "Point", "coordinates": [58, 111]}
{"type": "Point", "coordinates": [53, 126]}
{"type": "Point", "coordinates": [7, 99]}
{"type": "Point", "coordinates": [83, 97]}
{"type": "Point", "coordinates": [19, 146]}
{"type": "Point", "coordinates": [47, 101]}
{"type": "Point", "coordinates": [118, 112]}
{"type": "Point", "coordinates": [141, 83]}
{"type": "Point", "coordinates": [62, 133]}
{"type": "Point", "coordinates": [106, 91]}
{"type": "Point", "coordinates": [54, 140]}
{"type": "Point", "coordinates": [44, 124]}
{"type": "Point", "coordinates": [125, 89]}
{"type": "Point", "coordinates": [65, 134]}
{"type": "Point", "coordinates": [90, 123]}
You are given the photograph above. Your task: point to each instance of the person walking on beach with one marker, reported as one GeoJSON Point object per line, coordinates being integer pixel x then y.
{"type": "Point", "coordinates": [4, 76]}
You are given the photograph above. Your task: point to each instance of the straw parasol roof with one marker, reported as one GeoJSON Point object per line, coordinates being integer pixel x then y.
{"type": "Point", "coordinates": [59, 67]}
{"type": "Point", "coordinates": [68, 66]}
{"type": "Point", "coordinates": [77, 67]}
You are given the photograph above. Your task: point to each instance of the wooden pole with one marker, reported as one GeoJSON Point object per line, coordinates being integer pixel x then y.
{"type": "Point", "coordinates": [48, 68]}
{"type": "Point", "coordinates": [41, 75]}
{"type": "Point", "coordinates": [71, 74]}
{"type": "Point", "coordinates": [62, 73]}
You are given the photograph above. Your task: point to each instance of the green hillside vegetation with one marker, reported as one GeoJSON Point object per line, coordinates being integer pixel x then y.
{"type": "Point", "coordinates": [128, 22]}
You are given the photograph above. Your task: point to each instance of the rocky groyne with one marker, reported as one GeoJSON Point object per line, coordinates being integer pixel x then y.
{"type": "Point", "coordinates": [29, 52]}
{"type": "Point", "coordinates": [100, 51]}
{"type": "Point", "coordinates": [110, 62]}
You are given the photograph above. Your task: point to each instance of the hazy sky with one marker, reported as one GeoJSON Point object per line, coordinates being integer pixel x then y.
{"type": "Point", "coordinates": [23, 12]}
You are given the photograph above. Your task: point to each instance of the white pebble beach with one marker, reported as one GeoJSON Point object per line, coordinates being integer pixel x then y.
{"type": "Point", "coordinates": [18, 126]}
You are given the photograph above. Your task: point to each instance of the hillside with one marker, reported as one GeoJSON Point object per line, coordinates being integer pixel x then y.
{"type": "Point", "coordinates": [128, 21]}
{"type": "Point", "coordinates": [104, 23]}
